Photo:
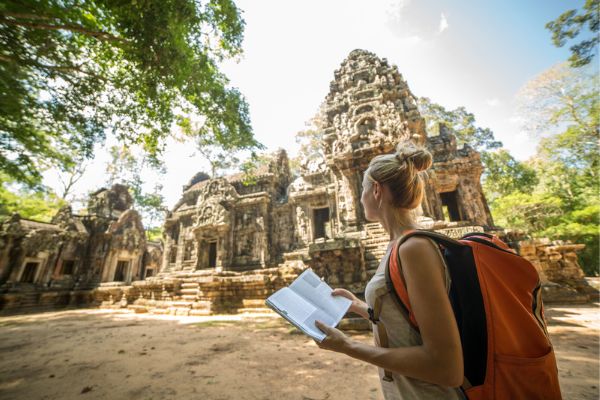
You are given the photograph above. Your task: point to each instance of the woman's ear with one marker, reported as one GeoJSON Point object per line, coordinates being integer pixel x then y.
{"type": "Point", "coordinates": [376, 190]}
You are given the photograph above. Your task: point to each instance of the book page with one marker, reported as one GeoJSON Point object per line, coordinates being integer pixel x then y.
{"type": "Point", "coordinates": [297, 311]}
{"type": "Point", "coordinates": [291, 304]}
{"type": "Point", "coordinates": [309, 286]}
{"type": "Point", "coordinates": [306, 300]}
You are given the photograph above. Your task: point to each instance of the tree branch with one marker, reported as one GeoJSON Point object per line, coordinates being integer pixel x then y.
{"type": "Point", "coordinates": [73, 28]}
{"type": "Point", "coordinates": [58, 68]}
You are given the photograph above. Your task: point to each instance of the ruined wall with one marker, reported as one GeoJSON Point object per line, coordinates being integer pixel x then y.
{"type": "Point", "coordinates": [57, 264]}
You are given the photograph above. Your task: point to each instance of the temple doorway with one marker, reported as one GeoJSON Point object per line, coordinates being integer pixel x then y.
{"type": "Point", "coordinates": [212, 254]}
{"type": "Point", "coordinates": [321, 223]}
{"type": "Point", "coordinates": [121, 271]}
{"type": "Point", "coordinates": [29, 272]}
{"type": "Point", "coordinates": [450, 206]}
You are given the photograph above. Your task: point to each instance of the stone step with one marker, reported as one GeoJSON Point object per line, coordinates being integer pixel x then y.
{"type": "Point", "coordinates": [189, 285]}
{"type": "Point", "coordinates": [188, 291]}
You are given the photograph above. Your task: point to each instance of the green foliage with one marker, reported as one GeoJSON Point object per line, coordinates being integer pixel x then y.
{"type": "Point", "coordinates": [221, 158]}
{"type": "Point", "coordinates": [311, 149]}
{"type": "Point", "coordinates": [530, 212]}
{"type": "Point", "coordinates": [72, 69]}
{"type": "Point", "coordinates": [461, 122]}
{"type": "Point", "coordinates": [154, 234]}
{"type": "Point", "coordinates": [504, 175]}
{"type": "Point", "coordinates": [39, 205]}
{"type": "Point", "coordinates": [126, 168]}
{"type": "Point", "coordinates": [562, 201]}
{"type": "Point", "coordinates": [251, 166]}
{"type": "Point", "coordinates": [570, 24]}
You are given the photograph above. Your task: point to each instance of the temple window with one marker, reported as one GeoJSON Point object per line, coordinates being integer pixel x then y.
{"type": "Point", "coordinates": [68, 267]}
{"type": "Point", "coordinates": [321, 222]}
{"type": "Point", "coordinates": [28, 275]}
{"type": "Point", "coordinates": [450, 206]}
{"type": "Point", "coordinates": [149, 272]}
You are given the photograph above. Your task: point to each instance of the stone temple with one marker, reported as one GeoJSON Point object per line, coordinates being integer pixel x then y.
{"type": "Point", "coordinates": [228, 243]}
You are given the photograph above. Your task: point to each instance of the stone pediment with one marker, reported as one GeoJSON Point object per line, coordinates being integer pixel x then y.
{"type": "Point", "coordinates": [213, 204]}
{"type": "Point", "coordinates": [216, 189]}
{"type": "Point", "coordinates": [212, 215]}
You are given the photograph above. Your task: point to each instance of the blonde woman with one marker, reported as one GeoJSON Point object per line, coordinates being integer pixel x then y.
{"type": "Point", "coordinates": [427, 364]}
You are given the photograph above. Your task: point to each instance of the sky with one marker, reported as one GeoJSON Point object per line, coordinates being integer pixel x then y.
{"type": "Point", "coordinates": [476, 54]}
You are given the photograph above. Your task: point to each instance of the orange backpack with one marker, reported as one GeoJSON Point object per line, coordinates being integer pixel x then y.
{"type": "Point", "coordinates": [496, 298]}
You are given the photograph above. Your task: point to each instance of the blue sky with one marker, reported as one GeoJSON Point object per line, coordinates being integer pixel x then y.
{"type": "Point", "coordinates": [475, 54]}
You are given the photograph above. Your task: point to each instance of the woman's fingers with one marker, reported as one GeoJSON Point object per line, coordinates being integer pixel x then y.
{"type": "Point", "coordinates": [342, 292]}
{"type": "Point", "coordinates": [324, 328]}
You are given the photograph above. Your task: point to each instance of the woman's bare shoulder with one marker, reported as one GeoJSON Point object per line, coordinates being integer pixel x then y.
{"type": "Point", "coordinates": [416, 245]}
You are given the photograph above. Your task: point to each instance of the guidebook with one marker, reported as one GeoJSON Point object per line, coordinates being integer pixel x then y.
{"type": "Point", "coordinates": [306, 300]}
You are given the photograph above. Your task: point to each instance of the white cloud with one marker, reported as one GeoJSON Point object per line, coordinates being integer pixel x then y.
{"type": "Point", "coordinates": [516, 120]}
{"type": "Point", "coordinates": [443, 23]}
{"type": "Point", "coordinates": [492, 102]}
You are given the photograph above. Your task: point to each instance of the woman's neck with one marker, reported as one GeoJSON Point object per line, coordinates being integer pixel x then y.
{"type": "Point", "coordinates": [396, 224]}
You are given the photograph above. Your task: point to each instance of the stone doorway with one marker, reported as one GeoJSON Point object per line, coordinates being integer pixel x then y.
{"type": "Point", "coordinates": [121, 271]}
{"type": "Point", "coordinates": [450, 206]}
{"type": "Point", "coordinates": [29, 272]}
{"type": "Point", "coordinates": [212, 254]}
{"type": "Point", "coordinates": [321, 223]}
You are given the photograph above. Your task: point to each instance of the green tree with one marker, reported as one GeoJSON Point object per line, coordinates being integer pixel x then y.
{"type": "Point", "coordinates": [560, 106]}
{"type": "Point", "coordinates": [71, 69]}
{"type": "Point", "coordinates": [127, 168]}
{"type": "Point", "coordinates": [461, 121]}
{"type": "Point", "coordinates": [39, 205]}
{"type": "Point", "coordinates": [504, 175]}
{"type": "Point", "coordinates": [220, 157]}
{"type": "Point", "coordinates": [310, 150]}
{"type": "Point", "coordinates": [570, 24]}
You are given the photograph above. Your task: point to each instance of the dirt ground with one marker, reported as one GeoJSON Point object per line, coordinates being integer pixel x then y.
{"type": "Point", "coordinates": [95, 354]}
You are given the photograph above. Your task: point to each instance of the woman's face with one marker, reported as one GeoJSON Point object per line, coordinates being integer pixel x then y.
{"type": "Point", "coordinates": [371, 194]}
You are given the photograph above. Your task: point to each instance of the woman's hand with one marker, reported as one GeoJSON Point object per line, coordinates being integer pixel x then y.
{"type": "Point", "coordinates": [358, 306]}
{"type": "Point", "coordinates": [335, 340]}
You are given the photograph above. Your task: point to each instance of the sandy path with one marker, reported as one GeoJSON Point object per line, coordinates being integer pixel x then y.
{"type": "Point", "coordinates": [94, 354]}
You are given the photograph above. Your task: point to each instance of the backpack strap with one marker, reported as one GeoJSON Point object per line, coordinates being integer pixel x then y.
{"type": "Point", "coordinates": [382, 337]}
{"type": "Point", "coordinates": [395, 277]}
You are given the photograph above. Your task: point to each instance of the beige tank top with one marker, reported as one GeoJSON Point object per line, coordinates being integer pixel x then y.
{"type": "Point", "coordinates": [401, 334]}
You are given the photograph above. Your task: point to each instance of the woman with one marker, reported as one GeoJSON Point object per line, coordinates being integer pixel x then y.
{"type": "Point", "coordinates": [424, 364]}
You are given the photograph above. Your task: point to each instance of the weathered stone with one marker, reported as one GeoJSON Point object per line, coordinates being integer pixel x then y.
{"type": "Point", "coordinates": [57, 264]}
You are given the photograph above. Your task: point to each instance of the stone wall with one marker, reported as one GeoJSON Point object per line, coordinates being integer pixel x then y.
{"type": "Point", "coordinates": [558, 266]}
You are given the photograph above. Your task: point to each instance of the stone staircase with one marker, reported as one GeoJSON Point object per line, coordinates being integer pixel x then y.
{"type": "Point", "coordinates": [375, 242]}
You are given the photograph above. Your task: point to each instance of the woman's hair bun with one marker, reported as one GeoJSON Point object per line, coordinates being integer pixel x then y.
{"type": "Point", "coordinates": [418, 156]}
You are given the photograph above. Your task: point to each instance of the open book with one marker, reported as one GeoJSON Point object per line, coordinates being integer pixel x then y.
{"type": "Point", "coordinates": [307, 299]}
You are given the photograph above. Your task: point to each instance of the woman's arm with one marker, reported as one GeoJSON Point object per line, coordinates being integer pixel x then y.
{"type": "Point", "coordinates": [439, 359]}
